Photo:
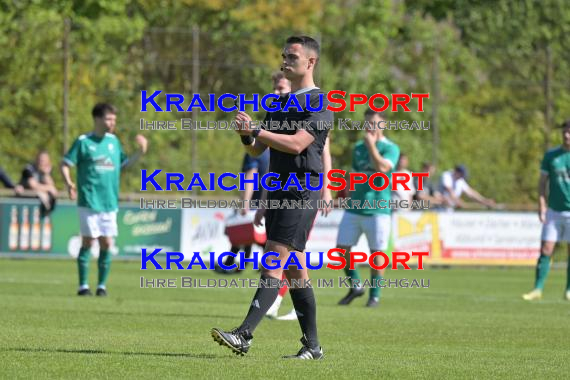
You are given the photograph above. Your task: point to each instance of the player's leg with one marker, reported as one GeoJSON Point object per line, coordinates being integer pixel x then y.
{"type": "Point", "coordinates": [239, 339]}
{"type": "Point", "coordinates": [377, 231]}
{"type": "Point", "coordinates": [349, 231]}
{"type": "Point", "coordinates": [551, 232]}
{"type": "Point", "coordinates": [104, 264]}
{"type": "Point", "coordinates": [89, 232]}
{"type": "Point", "coordinates": [566, 237]}
{"type": "Point", "coordinates": [230, 259]}
{"type": "Point", "coordinates": [303, 298]}
{"type": "Point", "coordinates": [274, 309]}
{"type": "Point", "coordinates": [246, 254]}
{"type": "Point", "coordinates": [285, 228]}
{"type": "Point", "coordinates": [108, 225]}
{"type": "Point", "coordinates": [541, 271]}
{"type": "Point", "coordinates": [83, 265]}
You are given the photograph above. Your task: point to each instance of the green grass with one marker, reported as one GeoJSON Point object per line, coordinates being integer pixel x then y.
{"type": "Point", "coordinates": [470, 323]}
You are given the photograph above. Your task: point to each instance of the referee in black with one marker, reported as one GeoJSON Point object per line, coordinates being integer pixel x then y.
{"type": "Point", "coordinates": [291, 151]}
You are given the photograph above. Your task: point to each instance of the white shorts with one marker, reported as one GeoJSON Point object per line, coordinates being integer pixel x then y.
{"type": "Point", "coordinates": [556, 227]}
{"type": "Point", "coordinates": [375, 227]}
{"type": "Point", "coordinates": [95, 224]}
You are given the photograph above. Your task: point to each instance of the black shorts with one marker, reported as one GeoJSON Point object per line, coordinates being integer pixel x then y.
{"type": "Point", "coordinates": [291, 226]}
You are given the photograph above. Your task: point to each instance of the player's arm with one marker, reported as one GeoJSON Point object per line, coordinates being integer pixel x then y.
{"type": "Point", "coordinates": [292, 144]}
{"type": "Point", "coordinates": [66, 173]}
{"type": "Point", "coordinates": [379, 163]}
{"type": "Point", "coordinates": [326, 194]}
{"type": "Point", "coordinates": [248, 192]}
{"type": "Point", "coordinates": [542, 196]}
{"type": "Point", "coordinates": [70, 159]}
{"type": "Point", "coordinates": [142, 144]}
{"type": "Point", "coordinates": [256, 148]}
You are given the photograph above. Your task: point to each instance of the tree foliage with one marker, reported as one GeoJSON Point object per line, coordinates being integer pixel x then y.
{"type": "Point", "coordinates": [495, 71]}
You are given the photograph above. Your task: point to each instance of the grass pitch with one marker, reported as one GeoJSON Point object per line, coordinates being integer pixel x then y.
{"type": "Point", "coordinates": [470, 323]}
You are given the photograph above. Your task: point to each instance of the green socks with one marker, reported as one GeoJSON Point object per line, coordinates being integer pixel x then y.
{"type": "Point", "coordinates": [353, 273]}
{"type": "Point", "coordinates": [375, 290]}
{"type": "Point", "coordinates": [542, 269]}
{"type": "Point", "coordinates": [83, 266]}
{"type": "Point", "coordinates": [104, 264]}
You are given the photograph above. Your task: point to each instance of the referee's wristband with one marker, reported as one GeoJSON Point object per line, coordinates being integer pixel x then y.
{"type": "Point", "coordinates": [247, 140]}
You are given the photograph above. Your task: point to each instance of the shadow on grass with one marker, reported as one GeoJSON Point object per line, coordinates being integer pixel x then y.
{"type": "Point", "coordinates": [128, 353]}
{"type": "Point", "coordinates": [176, 315]}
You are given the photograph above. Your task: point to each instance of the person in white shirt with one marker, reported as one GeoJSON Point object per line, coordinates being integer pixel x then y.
{"type": "Point", "coordinates": [453, 184]}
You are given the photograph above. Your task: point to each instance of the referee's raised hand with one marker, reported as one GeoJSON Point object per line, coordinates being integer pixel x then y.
{"type": "Point", "coordinates": [244, 120]}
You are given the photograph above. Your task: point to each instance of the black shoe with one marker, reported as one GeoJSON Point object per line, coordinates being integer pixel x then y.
{"type": "Point", "coordinates": [101, 292]}
{"type": "Point", "coordinates": [220, 270]}
{"type": "Point", "coordinates": [373, 302]}
{"type": "Point", "coordinates": [237, 340]}
{"type": "Point", "coordinates": [84, 292]}
{"type": "Point", "coordinates": [307, 353]}
{"type": "Point", "coordinates": [352, 294]}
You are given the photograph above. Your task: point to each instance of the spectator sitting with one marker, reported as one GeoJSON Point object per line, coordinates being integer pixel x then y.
{"type": "Point", "coordinates": [454, 184]}
{"type": "Point", "coordinates": [37, 177]}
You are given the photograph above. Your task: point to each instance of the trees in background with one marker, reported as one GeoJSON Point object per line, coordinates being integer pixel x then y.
{"type": "Point", "coordinates": [497, 75]}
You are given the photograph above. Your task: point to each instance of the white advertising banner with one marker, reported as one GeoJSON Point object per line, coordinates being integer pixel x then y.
{"type": "Point", "coordinates": [478, 238]}
{"type": "Point", "coordinates": [467, 238]}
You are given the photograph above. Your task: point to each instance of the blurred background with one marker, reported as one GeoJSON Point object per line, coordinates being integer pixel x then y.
{"type": "Point", "coordinates": [497, 73]}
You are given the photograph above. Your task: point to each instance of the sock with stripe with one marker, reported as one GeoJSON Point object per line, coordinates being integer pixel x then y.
{"type": "Point", "coordinates": [306, 308]}
{"type": "Point", "coordinates": [262, 301]}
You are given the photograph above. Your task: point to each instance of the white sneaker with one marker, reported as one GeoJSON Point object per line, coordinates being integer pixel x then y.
{"type": "Point", "coordinates": [567, 295]}
{"type": "Point", "coordinates": [274, 309]}
{"type": "Point", "coordinates": [291, 316]}
{"type": "Point", "coordinates": [536, 294]}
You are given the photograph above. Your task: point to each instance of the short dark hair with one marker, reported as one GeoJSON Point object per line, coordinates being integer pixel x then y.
{"type": "Point", "coordinates": [307, 42]}
{"type": "Point", "coordinates": [101, 109]}
{"type": "Point", "coordinates": [371, 112]}
{"type": "Point", "coordinates": [462, 169]}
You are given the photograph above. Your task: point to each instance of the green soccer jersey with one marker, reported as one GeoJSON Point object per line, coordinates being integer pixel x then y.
{"type": "Point", "coordinates": [99, 161]}
{"type": "Point", "coordinates": [362, 163]}
{"type": "Point", "coordinates": [556, 163]}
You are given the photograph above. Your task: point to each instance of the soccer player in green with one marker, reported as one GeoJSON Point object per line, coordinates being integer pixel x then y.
{"type": "Point", "coordinates": [374, 154]}
{"type": "Point", "coordinates": [553, 213]}
{"type": "Point", "coordinates": [99, 158]}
